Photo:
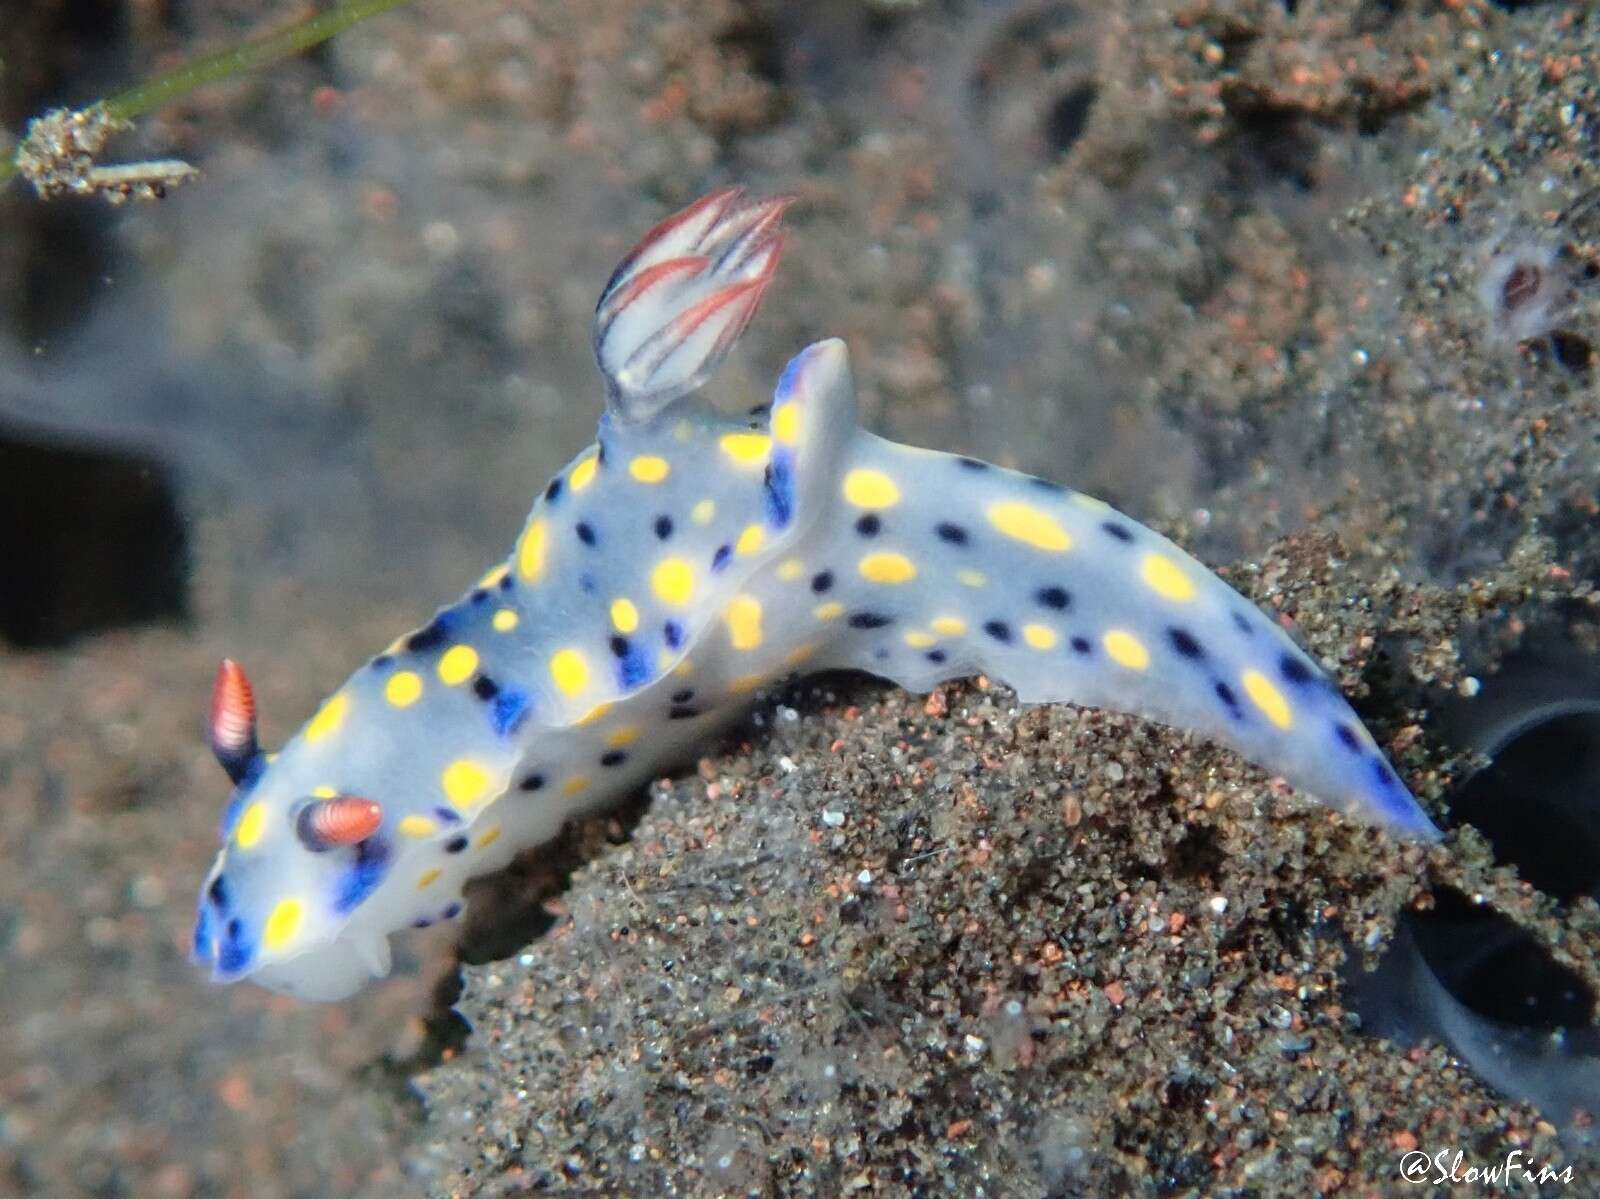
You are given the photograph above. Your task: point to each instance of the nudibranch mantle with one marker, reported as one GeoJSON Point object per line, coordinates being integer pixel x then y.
{"type": "Point", "coordinates": [677, 565]}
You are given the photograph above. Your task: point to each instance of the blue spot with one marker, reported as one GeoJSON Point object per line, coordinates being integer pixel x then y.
{"type": "Point", "coordinates": [720, 559]}
{"type": "Point", "coordinates": [451, 911]}
{"type": "Point", "coordinates": [790, 379]}
{"type": "Point", "coordinates": [432, 634]}
{"type": "Point", "coordinates": [201, 945]}
{"type": "Point", "coordinates": [972, 464]}
{"type": "Point", "coordinates": [780, 488]}
{"type": "Point", "coordinates": [1119, 531]}
{"type": "Point", "coordinates": [1080, 645]}
{"type": "Point", "coordinates": [1386, 777]}
{"type": "Point", "coordinates": [1229, 701]}
{"type": "Point", "coordinates": [633, 669]}
{"type": "Point", "coordinates": [421, 922]}
{"type": "Point", "coordinates": [382, 662]}
{"type": "Point", "coordinates": [673, 631]}
{"type": "Point", "coordinates": [586, 582]}
{"type": "Point", "coordinates": [236, 948]}
{"type": "Point", "coordinates": [362, 877]}
{"type": "Point", "coordinates": [508, 710]}
{"type": "Point", "coordinates": [586, 533]}
{"type": "Point", "coordinates": [218, 891]}
{"type": "Point", "coordinates": [1185, 643]}
{"type": "Point", "coordinates": [1347, 737]}
{"type": "Point", "coordinates": [1294, 670]}
{"type": "Point", "coordinates": [447, 815]}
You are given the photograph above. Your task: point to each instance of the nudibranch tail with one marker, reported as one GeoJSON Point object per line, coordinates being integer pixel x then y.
{"type": "Point", "coordinates": [675, 306]}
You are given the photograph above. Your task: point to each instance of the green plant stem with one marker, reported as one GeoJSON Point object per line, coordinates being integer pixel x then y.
{"type": "Point", "coordinates": [152, 93]}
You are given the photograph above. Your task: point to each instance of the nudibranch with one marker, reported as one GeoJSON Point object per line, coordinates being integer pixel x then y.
{"type": "Point", "coordinates": [677, 565]}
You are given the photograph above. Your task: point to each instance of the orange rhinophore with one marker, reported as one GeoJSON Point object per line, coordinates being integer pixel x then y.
{"type": "Point", "coordinates": [342, 820]}
{"type": "Point", "coordinates": [233, 719]}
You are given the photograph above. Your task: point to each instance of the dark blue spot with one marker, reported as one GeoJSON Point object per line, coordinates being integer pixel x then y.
{"type": "Point", "coordinates": [363, 876]}
{"type": "Point", "coordinates": [663, 526]}
{"type": "Point", "coordinates": [1347, 737]}
{"type": "Point", "coordinates": [510, 709]}
{"type": "Point", "coordinates": [673, 632]}
{"type": "Point", "coordinates": [1242, 623]}
{"type": "Point", "coordinates": [1184, 642]}
{"type": "Point", "coordinates": [869, 620]}
{"type": "Point", "coordinates": [431, 635]}
{"type": "Point", "coordinates": [972, 464]}
{"type": "Point", "coordinates": [759, 410]}
{"type": "Point", "coordinates": [1386, 778]}
{"type": "Point", "coordinates": [779, 486]}
{"type": "Point", "coordinates": [447, 815]}
{"type": "Point", "coordinates": [382, 662]}
{"type": "Point", "coordinates": [998, 629]}
{"type": "Point", "coordinates": [553, 490]}
{"type": "Point", "coordinates": [684, 696]}
{"type": "Point", "coordinates": [1046, 485]}
{"type": "Point", "coordinates": [679, 712]}
{"type": "Point", "coordinates": [485, 688]}
{"type": "Point", "coordinates": [869, 525]}
{"type": "Point", "coordinates": [218, 891]}
{"type": "Point", "coordinates": [880, 654]}
{"type": "Point", "coordinates": [586, 583]}
{"type": "Point", "coordinates": [720, 559]}
{"type": "Point", "coordinates": [1080, 645]}
{"type": "Point", "coordinates": [422, 922]}
{"type": "Point", "coordinates": [507, 582]}
{"type": "Point", "coordinates": [478, 595]}
{"type": "Point", "coordinates": [1294, 670]}
{"type": "Point", "coordinates": [1119, 531]}
{"type": "Point", "coordinates": [1053, 597]}
{"type": "Point", "coordinates": [954, 534]}
{"type": "Point", "coordinates": [455, 844]}
{"type": "Point", "coordinates": [236, 948]}
{"type": "Point", "coordinates": [821, 581]}
{"type": "Point", "coordinates": [600, 455]}
{"type": "Point", "coordinates": [633, 670]}
{"type": "Point", "coordinates": [1229, 700]}
{"type": "Point", "coordinates": [586, 533]}
{"type": "Point", "coordinates": [532, 783]}
{"type": "Point", "coordinates": [936, 656]}
{"type": "Point", "coordinates": [619, 646]}
{"type": "Point", "coordinates": [613, 757]}
{"type": "Point", "coordinates": [200, 944]}
{"type": "Point", "coordinates": [451, 911]}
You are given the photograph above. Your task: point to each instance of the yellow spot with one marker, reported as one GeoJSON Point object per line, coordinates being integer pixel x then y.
{"type": "Point", "coordinates": [745, 683]}
{"type": "Point", "coordinates": [917, 639]}
{"type": "Point", "coordinates": [750, 540]}
{"type": "Point", "coordinates": [624, 615]}
{"type": "Point", "coordinates": [972, 578]}
{"type": "Point", "coordinates": [251, 825]}
{"type": "Point", "coordinates": [1029, 525]}
{"type": "Point", "coordinates": [1267, 697]}
{"type": "Point", "coordinates": [1039, 636]}
{"type": "Point", "coordinates": [465, 783]}
{"type": "Point", "coordinates": [673, 581]}
{"type": "Point", "coordinates": [490, 836]}
{"type": "Point", "coordinates": [1164, 576]}
{"type": "Point", "coordinates": [799, 655]}
{"type": "Point", "coordinates": [870, 489]}
{"type": "Point", "coordinates": [683, 669]}
{"type": "Point", "coordinates": [583, 474]}
{"type": "Point", "coordinates": [887, 568]}
{"type": "Point", "coordinates": [428, 877]}
{"type": "Point", "coordinates": [505, 620]}
{"type": "Point", "coordinates": [949, 626]}
{"type": "Point", "coordinates": [598, 712]}
{"type": "Point", "coordinates": [570, 670]}
{"type": "Point", "coordinates": [623, 737]}
{"type": "Point", "coordinates": [575, 784]}
{"type": "Point", "coordinates": [492, 579]}
{"type": "Point", "coordinates": [831, 610]}
{"type": "Point", "coordinates": [786, 423]}
{"type": "Point", "coordinates": [457, 664]}
{"type": "Point", "coordinates": [417, 826]}
{"type": "Point", "coordinates": [648, 468]}
{"type": "Point", "coordinates": [403, 689]}
{"type": "Point", "coordinates": [1126, 649]}
{"type": "Point", "coordinates": [744, 622]}
{"type": "Point", "coordinates": [324, 792]}
{"type": "Point", "coordinates": [747, 449]}
{"type": "Point", "coordinates": [328, 719]}
{"type": "Point", "coordinates": [531, 553]}
{"type": "Point", "coordinates": [791, 570]}
{"type": "Point", "coordinates": [284, 923]}
{"type": "Point", "coordinates": [703, 512]}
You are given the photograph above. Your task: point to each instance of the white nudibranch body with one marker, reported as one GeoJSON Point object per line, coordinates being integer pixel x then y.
{"type": "Point", "coordinates": [677, 565]}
